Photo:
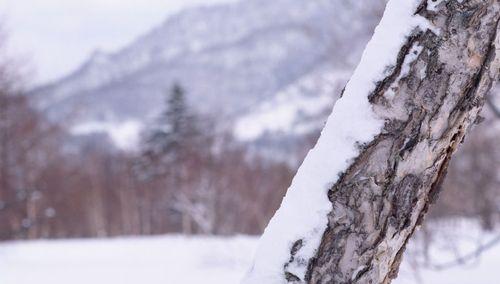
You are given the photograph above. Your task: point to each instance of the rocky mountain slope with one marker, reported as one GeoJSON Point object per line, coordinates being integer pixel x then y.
{"type": "Point", "coordinates": [234, 60]}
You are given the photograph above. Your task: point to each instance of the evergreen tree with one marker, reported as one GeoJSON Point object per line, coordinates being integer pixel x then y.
{"type": "Point", "coordinates": [173, 137]}
{"type": "Point", "coordinates": [173, 156]}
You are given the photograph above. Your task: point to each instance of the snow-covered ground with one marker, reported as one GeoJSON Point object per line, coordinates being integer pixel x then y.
{"type": "Point", "coordinates": [186, 260]}
{"type": "Point", "coordinates": [151, 260]}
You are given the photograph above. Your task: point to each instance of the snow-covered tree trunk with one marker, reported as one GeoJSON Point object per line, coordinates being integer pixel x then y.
{"type": "Point", "coordinates": [378, 165]}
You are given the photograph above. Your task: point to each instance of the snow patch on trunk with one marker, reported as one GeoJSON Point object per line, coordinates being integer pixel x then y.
{"type": "Point", "coordinates": [303, 212]}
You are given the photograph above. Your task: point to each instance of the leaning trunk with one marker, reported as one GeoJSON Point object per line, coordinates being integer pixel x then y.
{"type": "Point", "coordinates": [388, 190]}
{"type": "Point", "coordinates": [428, 100]}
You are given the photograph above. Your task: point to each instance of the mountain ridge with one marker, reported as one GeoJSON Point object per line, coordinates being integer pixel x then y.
{"type": "Point", "coordinates": [230, 58]}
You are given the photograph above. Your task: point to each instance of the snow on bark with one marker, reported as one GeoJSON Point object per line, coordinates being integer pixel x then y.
{"type": "Point", "coordinates": [368, 182]}
{"type": "Point", "coordinates": [303, 212]}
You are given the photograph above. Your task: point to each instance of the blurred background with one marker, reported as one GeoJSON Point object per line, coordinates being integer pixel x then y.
{"type": "Point", "coordinates": [162, 135]}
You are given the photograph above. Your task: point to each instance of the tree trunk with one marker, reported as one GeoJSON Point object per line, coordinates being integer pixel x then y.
{"type": "Point", "coordinates": [385, 193]}
{"type": "Point", "coordinates": [429, 100]}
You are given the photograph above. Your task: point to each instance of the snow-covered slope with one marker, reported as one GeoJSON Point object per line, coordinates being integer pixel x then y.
{"type": "Point", "coordinates": [299, 109]}
{"type": "Point", "coordinates": [283, 127]}
{"type": "Point", "coordinates": [230, 58]}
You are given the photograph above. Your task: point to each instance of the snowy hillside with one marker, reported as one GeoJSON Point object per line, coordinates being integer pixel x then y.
{"type": "Point", "coordinates": [230, 58]}
{"type": "Point", "coordinates": [299, 109]}
{"type": "Point", "coordinates": [185, 260]}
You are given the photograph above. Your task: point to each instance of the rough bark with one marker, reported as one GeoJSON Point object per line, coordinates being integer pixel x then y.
{"type": "Point", "coordinates": [384, 195]}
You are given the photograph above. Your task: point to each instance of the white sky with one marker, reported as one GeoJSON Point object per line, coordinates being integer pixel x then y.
{"type": "Point", "coordinates": [55, 36]}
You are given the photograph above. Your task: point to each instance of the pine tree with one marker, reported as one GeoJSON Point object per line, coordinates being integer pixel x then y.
{"type": "Point", "coordinates": [173, 137]}
{"type": "Point", "coordinates": [173, 152]}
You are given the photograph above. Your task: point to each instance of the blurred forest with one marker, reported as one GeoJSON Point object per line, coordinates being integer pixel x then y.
{"type": "Point", "coordinates": [190, 175]}
{"type": "Point", "coordinates": [186, 179]}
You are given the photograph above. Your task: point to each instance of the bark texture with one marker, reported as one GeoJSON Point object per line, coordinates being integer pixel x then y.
{"type": "Point", "coordinates": [429, 100]}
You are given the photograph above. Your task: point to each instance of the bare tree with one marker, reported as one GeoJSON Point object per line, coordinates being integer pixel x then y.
{"type": "Point", "coordinates": [428, 100]}
{"type": "Point", "coordinates": [472, 186]}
